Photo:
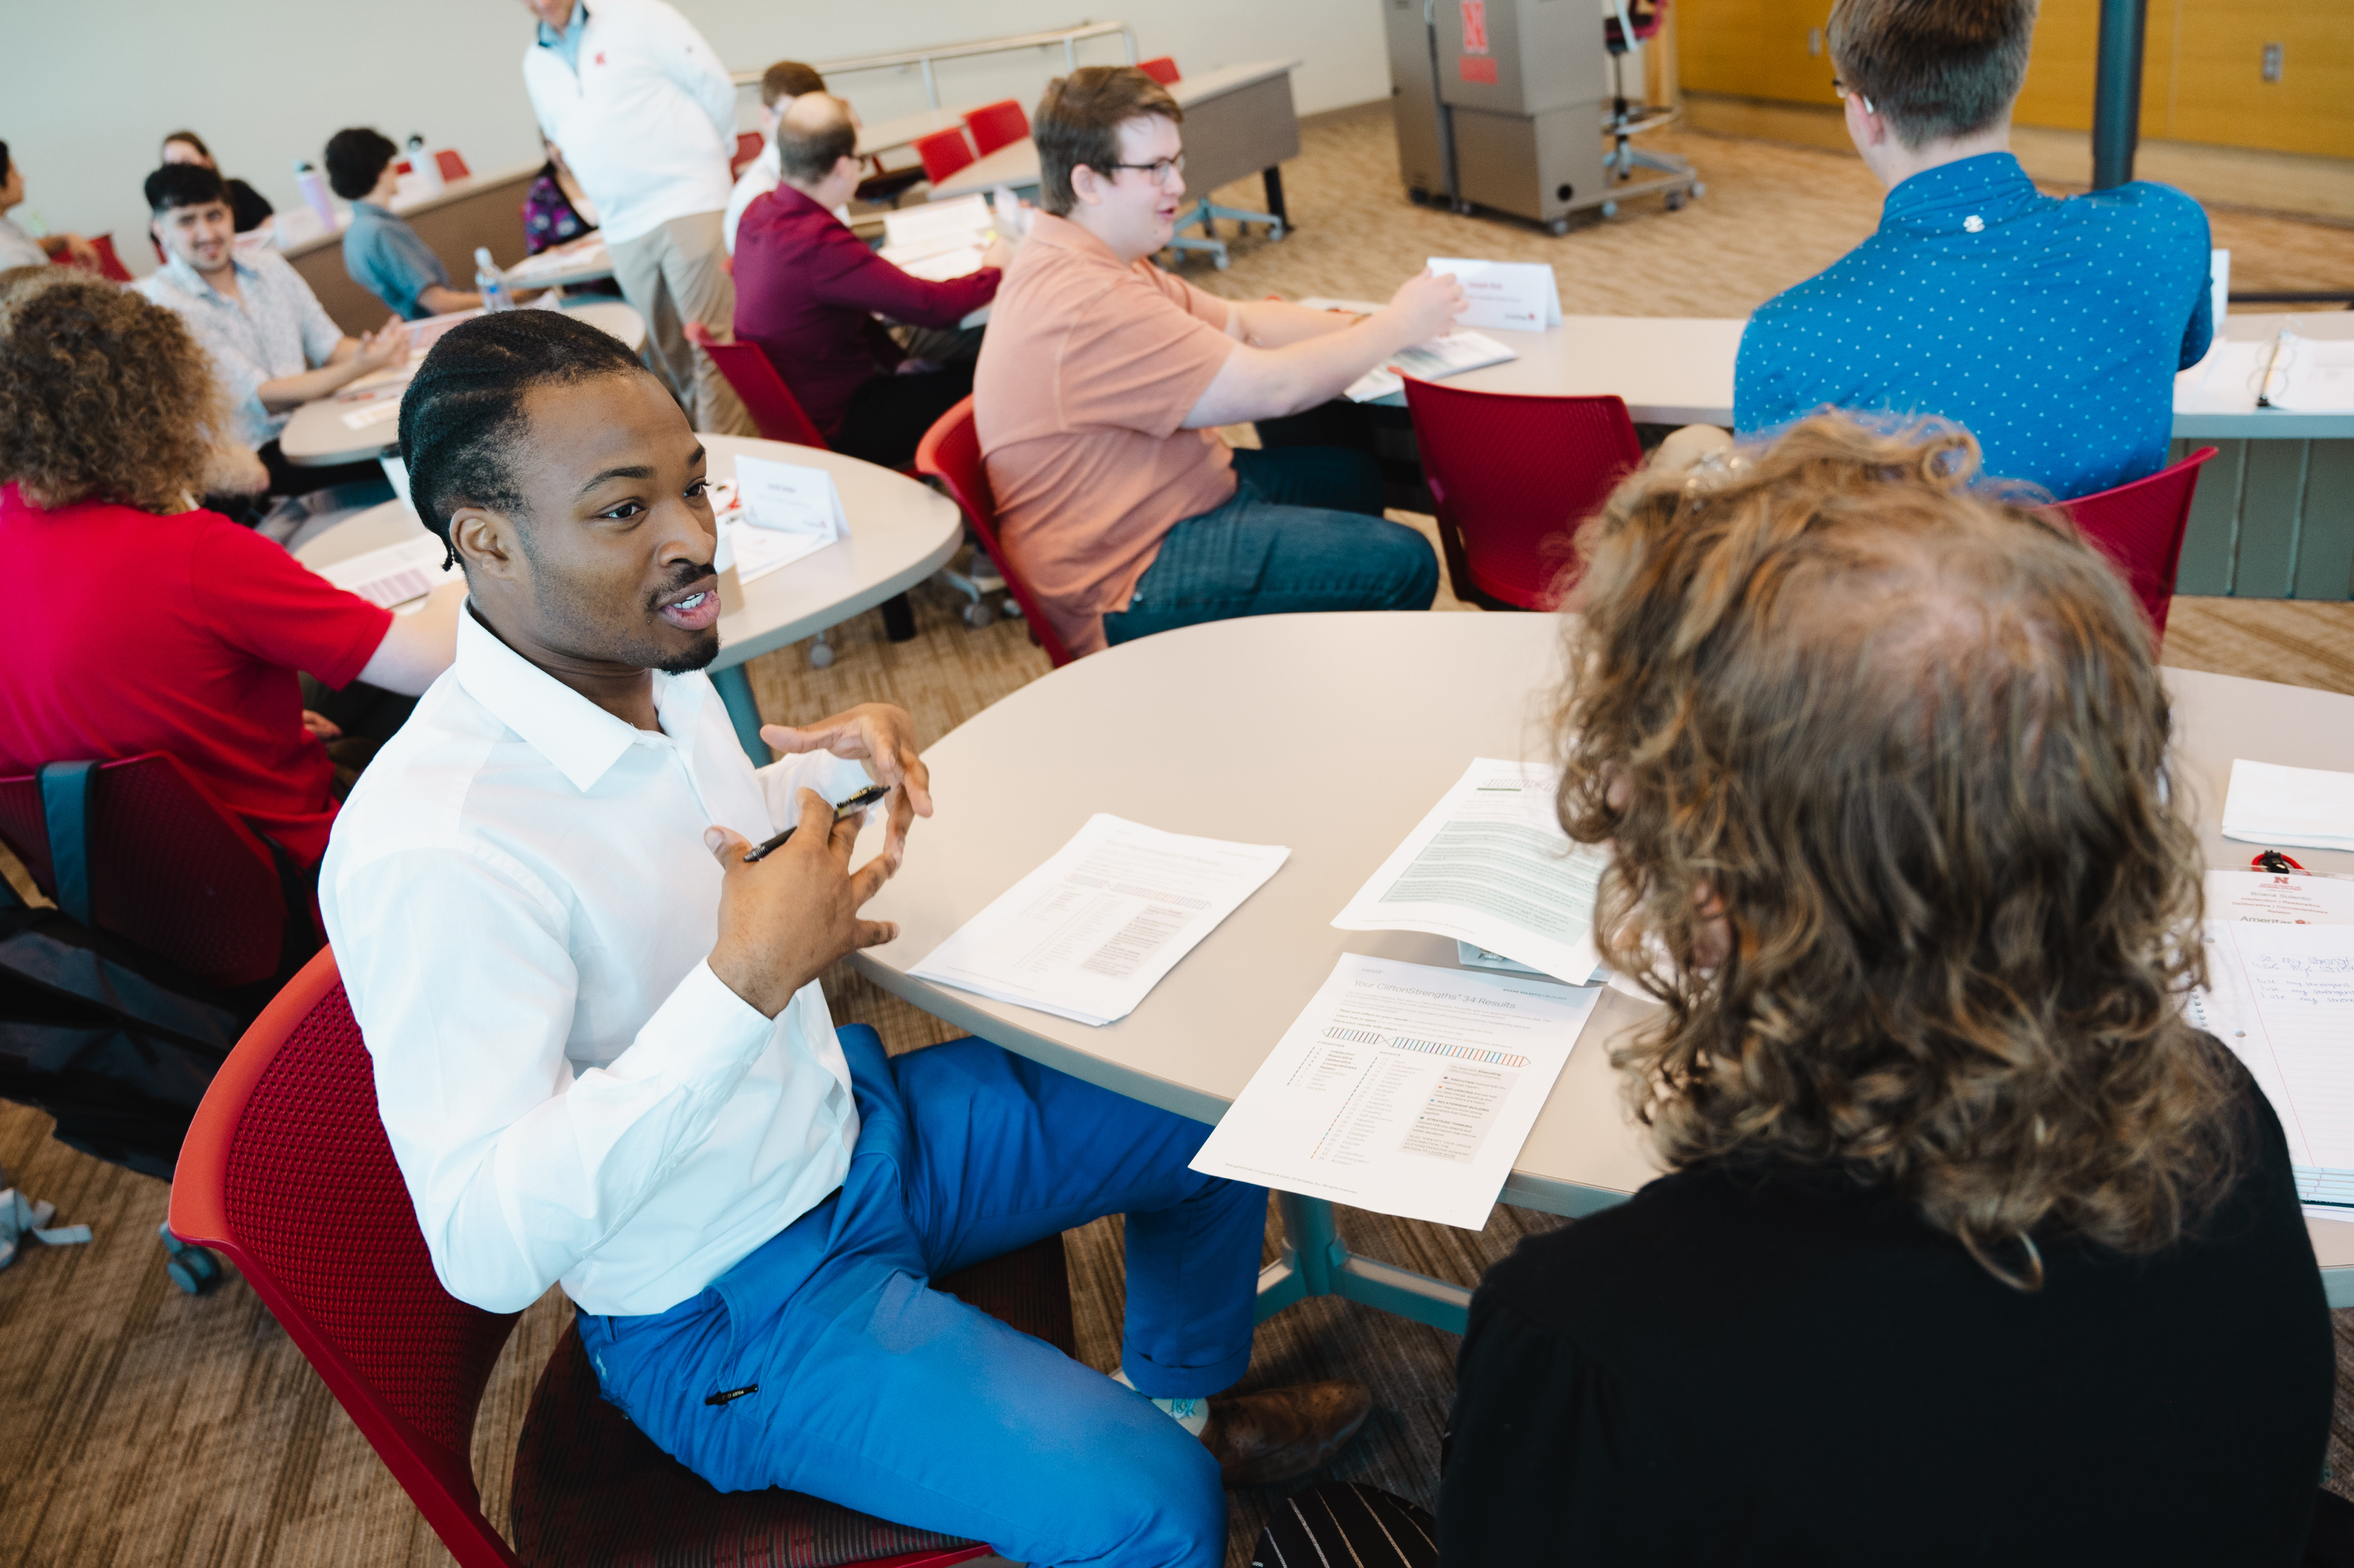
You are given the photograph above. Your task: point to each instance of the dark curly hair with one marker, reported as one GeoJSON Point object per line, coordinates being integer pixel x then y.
{"type": "Point", "coordinates": [356, 160]}
{"type": "Point", "coordinates": [463, 417]}
{"type": "Point", "coordinates": [1883, 763]}
{"type": "Point", "coordinates": [102, 396]}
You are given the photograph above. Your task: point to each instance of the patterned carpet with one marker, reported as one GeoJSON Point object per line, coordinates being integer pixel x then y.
{"type": "Point", "coordinates": [141, 1428]}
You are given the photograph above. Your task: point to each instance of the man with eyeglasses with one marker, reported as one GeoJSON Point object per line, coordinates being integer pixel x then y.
{"type": "Point", "coordinates": [1103, 380]}
{"type": "Point", "coordinates": [2049, 328]}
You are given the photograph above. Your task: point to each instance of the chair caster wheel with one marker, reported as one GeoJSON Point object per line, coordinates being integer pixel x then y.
{"type": "Point", "coordinates": [1609, 209]}
{"type": "Point", "coordinates": [1222, 262]}
{"type": "Point", "coordinates": [820, 655]}
{"type": "Point", "coordinates": [1557, 227]}
{"type": "Point", "coordinates": [1698, 190]}
{"type": "Point", "coordinates": [193, 1268]}
{"type": "Point", "coordinates": [1462, 209]}
{"type": "Point", "coordinates": [1675, 201]}
{"type": "Point", "coordinates": [978, 615]}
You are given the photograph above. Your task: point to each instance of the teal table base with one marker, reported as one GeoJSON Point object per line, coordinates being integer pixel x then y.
{"type": "Point", "coordinates": [735, 689]}
{"type": "Point", "coordinates": [1316, 1262]}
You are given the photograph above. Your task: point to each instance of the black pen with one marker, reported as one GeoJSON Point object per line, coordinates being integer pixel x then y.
{"type": "Point", "coordinates": [851, 807]}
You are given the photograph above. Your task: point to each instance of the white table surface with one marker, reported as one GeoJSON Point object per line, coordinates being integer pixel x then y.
{"type": "Point", "coordinates": [900, 533]}
{"type": "Point", "coordinates": [1016, 163]}
{"type": "Point", "coordinates": [316, 437]}
{"type": "Point", "coordinates": [1678, 370]}
{"type": "Point", "coordinates": [1334, 735]}
{"type": "Point", "coordinates": [886, 134]}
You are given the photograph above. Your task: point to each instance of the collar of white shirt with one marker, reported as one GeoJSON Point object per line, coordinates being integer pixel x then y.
{"type": "Point", "coordinates": [195, 282]}
{"type": "Point", "coordinates": [580, 739]}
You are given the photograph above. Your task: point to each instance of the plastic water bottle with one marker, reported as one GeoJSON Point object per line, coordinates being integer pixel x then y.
{"type": "Point", "coordinates": [313, 188]}
{"type": "Point", "coordinates": [424, 166]}
{"type": "Point", "coordinates": [490, 282]}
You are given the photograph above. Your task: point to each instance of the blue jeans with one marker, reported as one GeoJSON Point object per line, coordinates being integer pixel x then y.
{"type": "Point", "coordinates": [882, 1395]}
{"type": "Point", "coordinates": [1303, 532]}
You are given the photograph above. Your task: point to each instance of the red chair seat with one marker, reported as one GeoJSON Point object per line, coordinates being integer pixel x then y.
{"type": "Point", "coordinates": [995, 125]}
{"type": "Point", "coordinates": [944, 153]}
{"type": "Point", "coordinates": [1161, 69]}
{"type": "Point", "coordinates": [950, 452]}
{"type": "Point", "coordinates": [2140, 527]}
{"type": "Point", "coordinates": [776, 413]}
{"type": "Point", "coordinates": [593, 1491]}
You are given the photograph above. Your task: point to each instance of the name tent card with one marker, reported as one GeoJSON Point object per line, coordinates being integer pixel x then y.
{"type": "Point", "coordinates": [1516, 296]}
{"type": "Point", "coordinates": [790, 498]}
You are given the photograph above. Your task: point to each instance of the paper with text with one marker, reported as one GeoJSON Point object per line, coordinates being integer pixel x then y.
{"type": "Point", "coordinates": [1489, 865]}
{"type": "Point", "coordinates": [1402, 1088]}
{"type": "Point", "coordinates": [790, 497]}
{"type": "Point", "coordinates": [1450, 353]}
{"type": "Point", "coordinates": [1089, 933]}
{"type": "Point", "coordinates": [2286, 898]}
{"type": "Point", "coordinates": [2282, 997]}
{"type": "Point", "coordinates": [395, 574]}
{"type": "Point", "coordinates": [1516, 296]}
{"type": "Point", "coordinates": [2268, 803]}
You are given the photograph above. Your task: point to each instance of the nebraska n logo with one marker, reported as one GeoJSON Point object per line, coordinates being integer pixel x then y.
{"type": "Point", "coordinates": [1475, 27]}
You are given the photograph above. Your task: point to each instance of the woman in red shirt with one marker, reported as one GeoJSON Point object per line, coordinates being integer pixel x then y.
{"type": "Point", "coordinates": [138, 622]}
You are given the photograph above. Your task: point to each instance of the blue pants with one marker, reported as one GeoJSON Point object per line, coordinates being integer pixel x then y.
{"type": "Point", "coordinates": [879, 1393]}
{"type": "Point", "coordinates": [1303, 532]}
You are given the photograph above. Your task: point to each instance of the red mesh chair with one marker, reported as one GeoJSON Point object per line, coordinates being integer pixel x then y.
{"type": "Point", "coordinates": [1162, 70]}
{"type": "Point", "coordinates": [287, 1172]}
{"type": "Point", "coordinates": [1513, 477]}
{"type": "Point", "coordinates": [950, 452]}
{"type": "Point", "coordinates": [944, 153]}
{"type": "Point", "coordinates": [776, 413]}
{"type": "Point", "coordinates": [995, 125]}
{"type": "Point", "coordinates": [2140, 527]}
{"type": "Point", "coordinates": [167, 866]}
{"type": "Point", "coordinates": [748, 147]}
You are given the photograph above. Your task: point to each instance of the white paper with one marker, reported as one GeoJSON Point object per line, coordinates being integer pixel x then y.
{"type": "Point", "coordinates": [587, 253]}
{"type": "Point", "coordinates": [1489, 865]}
{"type": "Point", "coordinates": [383, 411]}
{"type": "Point", "coordinates": [1449, 353]}
{"type": "Point", "coordinates": [2282, 997]}
{"type": "Point", "coordinates": [2271, 804]}
{"type": "Point", "coordinates": [394, 575]}
{"type": "Point", "coordinates": [956, 262]}
{"type": "Point", "coordinates": [1512, 296]}
{"type": "Point", "coordinates": [2283, 898]}
{"type": "Point", "coordinates": [1089, 933]}
{"type": "Point", "coordinates": [790, 497]}
{"type": "Point", "coordinates": [2320, 378]}
{"type": "Point", "coordinates": [1402, 1088]}
{"type": "Point", "coordinates": [925, 226]}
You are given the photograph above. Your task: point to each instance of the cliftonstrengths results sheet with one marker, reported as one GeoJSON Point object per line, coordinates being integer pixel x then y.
{"type": "Point", "coordinates": [1402, 1088]}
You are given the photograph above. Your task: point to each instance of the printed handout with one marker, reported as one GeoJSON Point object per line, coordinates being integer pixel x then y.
{"type": "Point", "coordinates": [1090, 932]}
{"type": "Point", "coordinates": [1402, 1088]}
{"type": "Point", "coordinates": [2282, 997]}
{"type": "Point", "coordinates": [1489, 865]}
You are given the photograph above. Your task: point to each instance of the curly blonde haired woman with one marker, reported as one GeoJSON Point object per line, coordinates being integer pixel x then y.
{"type": "Point", "coordinates": [1971, 1250]}
{"type": "Point", "coordinates": [137, 622]}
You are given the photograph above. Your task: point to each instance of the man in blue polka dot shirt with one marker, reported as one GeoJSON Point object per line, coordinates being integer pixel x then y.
{"type": "Point", "coordinates": [2051, 329]}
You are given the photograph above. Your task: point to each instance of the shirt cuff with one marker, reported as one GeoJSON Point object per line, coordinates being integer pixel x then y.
{"type": "Point", "coordinates": [703, 1027]}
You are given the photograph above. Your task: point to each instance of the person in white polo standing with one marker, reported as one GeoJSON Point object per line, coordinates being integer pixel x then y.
{"type": "Point", "coordinates": [646, 116]}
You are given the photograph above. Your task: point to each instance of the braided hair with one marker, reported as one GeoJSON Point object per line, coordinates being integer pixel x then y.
{"type": "Point", "coordinates": [462, 420]}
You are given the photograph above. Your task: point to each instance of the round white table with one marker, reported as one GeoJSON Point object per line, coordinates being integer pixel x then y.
{"type": "Point", "coordinates": [900, 533]}
{"type": "Point", "coordinates": [1334, 735]}
{"type": "Point", "coordinates": [319, 437]}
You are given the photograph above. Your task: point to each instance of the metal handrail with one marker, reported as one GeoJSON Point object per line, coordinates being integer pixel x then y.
{"type": "Point", "coordinates": [1069, 37]}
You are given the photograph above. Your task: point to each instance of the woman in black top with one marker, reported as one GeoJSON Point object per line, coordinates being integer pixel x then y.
{"type": "Point", "coordinates": [1973, 1251]}
{"type": "Point", "coordinates": [248, 209]}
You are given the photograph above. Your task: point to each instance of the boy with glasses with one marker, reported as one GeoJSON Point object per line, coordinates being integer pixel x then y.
{"type": "Point", "coordinates": [1103, 380]}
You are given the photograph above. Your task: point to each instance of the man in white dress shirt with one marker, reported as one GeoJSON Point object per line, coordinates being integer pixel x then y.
{"type": "Point", "coordinates": [646, 116]}
{"type": "Point", "coordinates": [604, 1062]}
{"type": "Point", "coordinates": [779, 85]}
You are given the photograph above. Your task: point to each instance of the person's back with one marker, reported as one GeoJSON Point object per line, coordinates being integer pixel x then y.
{"type": "Point", "coordinates": [2051, 329]}
{"type": "Point", "coordinates": [1972, 1249]}
{"type": "Point", "coordinates": [1779, 1364]}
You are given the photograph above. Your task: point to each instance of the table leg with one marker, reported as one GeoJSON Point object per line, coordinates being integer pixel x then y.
{"type": "Point", "coordinates": [736, 691]}
{"type": "Point", "coordinates": [1274, 179]}
{"type": "Point", "coordinates": [898, 618]}
{"type": "Point", "coordinates": [1316, 1262]}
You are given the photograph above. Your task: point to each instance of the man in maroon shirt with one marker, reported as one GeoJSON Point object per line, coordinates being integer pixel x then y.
{"type": "Point", "coordinates": [808, 291]}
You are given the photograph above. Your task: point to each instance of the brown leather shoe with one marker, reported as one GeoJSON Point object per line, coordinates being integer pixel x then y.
{"type": "Point", "coordinates": [1282, 1433]}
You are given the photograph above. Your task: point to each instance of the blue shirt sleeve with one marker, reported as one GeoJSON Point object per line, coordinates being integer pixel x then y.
{"type": "Point", "coordinates": [1762, 375]}
{"type": "Point", "coordinates": [392, 261]}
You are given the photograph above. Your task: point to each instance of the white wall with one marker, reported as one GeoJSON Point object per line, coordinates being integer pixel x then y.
{"type": "Point", "coordinates": [88, 87]}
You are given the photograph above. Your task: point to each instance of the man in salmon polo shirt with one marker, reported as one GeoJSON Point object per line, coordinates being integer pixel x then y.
{"type": "Point", "coordinates": [1103, 379]}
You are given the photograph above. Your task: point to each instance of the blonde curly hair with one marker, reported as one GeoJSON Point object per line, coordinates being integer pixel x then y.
{"type": "Point", "coordinates": [1884, 762]}
{"type": "Point", "coordinates": [103, 395]}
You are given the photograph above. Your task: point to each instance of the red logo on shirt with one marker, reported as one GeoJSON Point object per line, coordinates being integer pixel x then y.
{"type": "Point", "coordinates": [600, 58]}
{"type": "Point", "coordinates": [1475, 27]}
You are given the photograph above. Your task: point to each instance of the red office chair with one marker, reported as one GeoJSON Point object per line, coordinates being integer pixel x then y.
{"type": "Point", "coordinates": [2140, 527]}
{"type": "Point", "coordinates": [950, 452]}
{"type": "Point", "coordinates": [776, 413]}
{"type": "Point", "coordinates": [160, 862]}
{"type": "Point", "coordinates": [944, 153]}
{"type": "Point", "coordinates": [748, 147]}
{"type": "Point", "coordinates": [451, 165]}
{"type": "Point", "coordinates": [1162, 70]}
{"type": "Point", "coordinates": [1514, 476]}
{"type": "Point", "coordinates": [995, 125]}
{"type": "Point", "coordinates": [288, 1172]}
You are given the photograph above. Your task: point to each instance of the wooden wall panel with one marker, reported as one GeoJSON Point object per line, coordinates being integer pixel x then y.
{"type": "Point", "coordinates": [2220, 93]}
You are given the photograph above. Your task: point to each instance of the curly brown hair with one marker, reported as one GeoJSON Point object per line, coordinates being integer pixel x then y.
{"type": "Point", "coordinates": [1884, 762]}
{"type": "Point", "coordinates": [102, 396]}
